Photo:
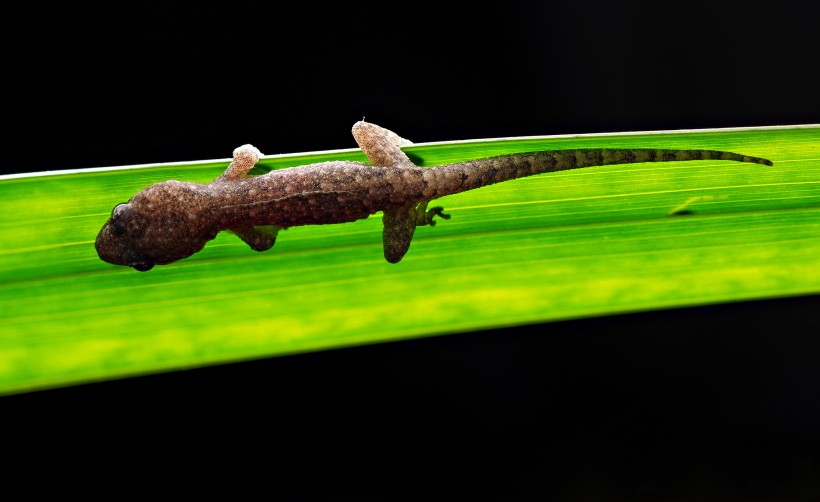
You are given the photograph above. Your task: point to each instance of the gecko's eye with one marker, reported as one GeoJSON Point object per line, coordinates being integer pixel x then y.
{"type": "Point", "coordinates": [142, 266]}
{"type": "Point", "coordinates": [118, 210]}
{"type": "Point", "coordinates": [138, 261]}
{"type": "Point", "coordinates": [116, 224]}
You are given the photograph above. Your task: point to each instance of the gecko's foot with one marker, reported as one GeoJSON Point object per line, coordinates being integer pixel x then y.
{"type": "Point", "coordinates": [247, 153]}
{"type": "Point", "coordinates": [432, 213]}
{"type": "Point", "coordinates": [259, 238]}
{"type": "Point", "coordinates": [425, 216]}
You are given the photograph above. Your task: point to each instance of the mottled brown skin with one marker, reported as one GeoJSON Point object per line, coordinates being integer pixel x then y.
{"type": "Point", "coordinates": [173, 220]}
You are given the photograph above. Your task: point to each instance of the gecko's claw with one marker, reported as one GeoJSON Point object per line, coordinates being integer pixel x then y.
{"type": "Point", "coordinates": [432, 213]}
{"type": "Point", "coordinates": [425, 216]}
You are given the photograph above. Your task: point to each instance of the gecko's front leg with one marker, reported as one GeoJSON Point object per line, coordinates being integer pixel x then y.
{"type": "Point", "coordinates": [401, 223]}
{"type": "Point", "coordinates": [259, 238]}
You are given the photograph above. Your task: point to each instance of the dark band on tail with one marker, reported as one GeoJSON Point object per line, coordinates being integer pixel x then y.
{"type": "Point", "coordinates": [463, 176]}
{"type": "Point", "coordinates": [651, 155]}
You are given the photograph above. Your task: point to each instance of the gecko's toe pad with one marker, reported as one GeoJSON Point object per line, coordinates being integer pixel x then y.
{"type": "Point", "coordinates": [247, 152]}
{"type": "Point", "coordinates": [433, 212]}
{"type": "Point", "coordinates": [259, 241]}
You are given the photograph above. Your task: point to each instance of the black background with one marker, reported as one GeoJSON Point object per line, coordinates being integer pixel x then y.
{"type": "Point", "coordinates": [99, 87]}
{"type": "Point", "coordinates": [719, 402]}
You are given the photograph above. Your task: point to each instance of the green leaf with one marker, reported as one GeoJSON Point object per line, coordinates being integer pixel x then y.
{"type": "Point", "coordinates": [590, 242]}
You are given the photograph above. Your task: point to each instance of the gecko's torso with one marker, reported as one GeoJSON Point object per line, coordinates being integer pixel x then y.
{"type": "Point", "coordinates": [330, 192]}
{"type": "Point", "coordinates": [172, 220]}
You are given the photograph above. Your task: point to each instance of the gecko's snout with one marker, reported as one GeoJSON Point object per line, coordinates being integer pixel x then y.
{"type": "Point", "coordinates": [109, 248]}
{"type": "Point", "coordinates": [109, 242]}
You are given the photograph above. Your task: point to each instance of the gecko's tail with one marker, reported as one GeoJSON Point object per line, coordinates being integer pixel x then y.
{"type": "Point", "coordinates": [463, 176]}
{"type": "Point", "coordinates": [680, 155]}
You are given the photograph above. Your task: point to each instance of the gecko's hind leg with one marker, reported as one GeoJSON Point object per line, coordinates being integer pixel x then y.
{"type": "Point", "coordinates": [244, 158]}
{"type": "Point", "coordinates": [382, 146]}
{"type": "Point", "coordinates": [259, 238]}
{"type": "Point", "coordinates": [425, 216]}
{"type": "Point", "coordinates": [401, 223]}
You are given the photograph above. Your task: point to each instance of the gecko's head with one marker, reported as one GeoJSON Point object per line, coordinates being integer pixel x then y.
{"type": "Point", "coordinates": [159, 225]}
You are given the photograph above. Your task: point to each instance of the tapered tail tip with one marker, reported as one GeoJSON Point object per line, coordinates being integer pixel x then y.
{"type": "Point", "coordinates": [758, 160]}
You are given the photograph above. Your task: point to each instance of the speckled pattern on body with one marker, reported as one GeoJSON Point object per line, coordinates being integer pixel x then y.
{"type": "Point", "coordinates": [172, 220]}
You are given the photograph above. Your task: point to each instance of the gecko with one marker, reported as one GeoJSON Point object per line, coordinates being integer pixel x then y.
{"type": "Point", "coordinates": [172, 220]}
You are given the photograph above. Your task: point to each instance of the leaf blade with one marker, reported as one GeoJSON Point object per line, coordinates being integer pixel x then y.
{"type": "Point", "coordinates": [590, 242]}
